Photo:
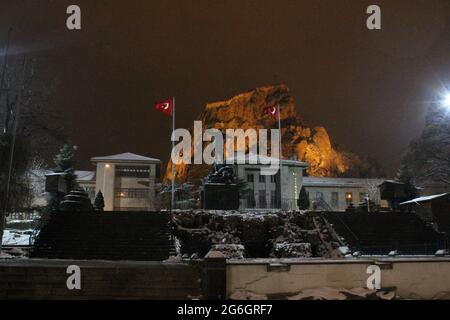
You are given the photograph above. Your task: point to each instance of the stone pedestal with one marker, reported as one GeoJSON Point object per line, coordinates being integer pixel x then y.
{"type": "Point", "coordinates": [220, 196]}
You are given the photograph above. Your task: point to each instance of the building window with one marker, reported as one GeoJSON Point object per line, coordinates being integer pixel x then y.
{"type": "Point", "coordinates": [262, 199]}
{"type": "Point", "coordinates": [319, 195]}
{"type": "Point", "coordinates": [133, 171]}
{"type": "Point", "coordinates": [249, 178]}
{"type": "Point", "coordinates": [262, 178]}
{"type": "Point", "coordinates": [273, 199]}
{"type": "Point", "coordinates": [296, 191]}
{"type": "Point", "coordinates": [131, 193]}
{"type": "Point", "coordinates": [348, 198]}
{"type": "Point", "coordinates": [362, 196]}
{"type": "Point", "coordinates": [250, 199]}
{"type": "Point", "coordinates": [90, 191]}
{"type": "Point", "coordinates": [334, 199]}
{"type": "Point", "coordinates": [273, 178]}
{"type": "Point", "coordinates": [158, 170]}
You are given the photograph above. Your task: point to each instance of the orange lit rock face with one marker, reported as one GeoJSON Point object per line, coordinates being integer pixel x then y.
{"type": "Point", "coordinates": [245, 111]}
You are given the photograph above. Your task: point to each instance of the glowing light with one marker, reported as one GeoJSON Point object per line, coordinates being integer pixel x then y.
{"type": "Point", "coordinates": [107, 166]}
{"type": "Point", "coordinates": [446, 100]}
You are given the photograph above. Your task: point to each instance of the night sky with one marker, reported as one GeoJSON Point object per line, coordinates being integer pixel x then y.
{"type": "Point", "coordinates": [368, 88]}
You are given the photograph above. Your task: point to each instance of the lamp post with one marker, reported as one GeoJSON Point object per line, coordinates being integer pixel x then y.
{"type": "Point", "coordinates": [446, 100]}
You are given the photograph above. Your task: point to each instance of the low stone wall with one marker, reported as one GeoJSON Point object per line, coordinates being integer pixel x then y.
{"type": "Point", "coordinates": [46, 279]}
{"type": "Point", "coordinates": [216, 278]}
{"type": "Point", "coordinates": [412, 278]}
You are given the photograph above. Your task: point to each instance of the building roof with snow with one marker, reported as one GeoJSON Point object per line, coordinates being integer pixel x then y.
{"type": "Point", "coordinates": [425, 199]}
{"type": "Point", "coordinates": [85, 176]}
{"type": "Point", "coordinates": [392, 182]}
{"type": "Point", "coordinates": [339, 182]}
{"type": "Point", "coordinates": [126, 157]}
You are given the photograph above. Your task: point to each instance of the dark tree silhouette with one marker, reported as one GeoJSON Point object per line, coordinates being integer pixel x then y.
{"type": "Point", "coordinates": [99, 202]}
{"type": "Point", "coordinates": [303, 199]}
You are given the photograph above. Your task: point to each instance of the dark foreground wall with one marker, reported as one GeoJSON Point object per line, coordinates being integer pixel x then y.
{"type": "Point", "coordinates": [140, 236]}
{"type": "Point", "coordinates": [46, 279]}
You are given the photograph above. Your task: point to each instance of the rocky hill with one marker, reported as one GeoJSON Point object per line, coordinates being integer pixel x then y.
{"type": "Point", "coordinates": [245, 110]}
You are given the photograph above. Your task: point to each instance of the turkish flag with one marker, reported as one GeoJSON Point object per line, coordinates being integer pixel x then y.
{"type": "Point", "coordinates": [271, 111]}
{"type": "Point", "coordinates": [165, 106]}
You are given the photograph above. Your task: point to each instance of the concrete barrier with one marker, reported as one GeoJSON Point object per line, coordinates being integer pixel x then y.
{"type": "Point", "coordinates": [413, 277]}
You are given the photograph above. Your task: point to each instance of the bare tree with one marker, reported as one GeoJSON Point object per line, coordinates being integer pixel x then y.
{"type": "Point", "coordinates": [27, 128]}
{"type": "Point", "coordinates": [373, 192]}
{"type": "Point", "coordinates": [428, 157]}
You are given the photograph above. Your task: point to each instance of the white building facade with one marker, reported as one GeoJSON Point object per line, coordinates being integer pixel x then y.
{"type": "Point", "coordinates": [266, 191]}
{"type": "Point", "coordinates": [127, 181]}
{"type": "Point", "coordinates": [336, 194]}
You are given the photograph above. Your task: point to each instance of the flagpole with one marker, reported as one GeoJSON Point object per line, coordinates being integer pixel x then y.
{"type": "Point", "coordinates": [279, 155]}
{"type": "Point", "coordinates": [173, 166]}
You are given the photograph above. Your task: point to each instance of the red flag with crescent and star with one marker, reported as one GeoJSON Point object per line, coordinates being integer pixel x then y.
{"type": "Point", "coordinates": [271, 111]}
{"type": "Point", "coordinates": [165, 106]}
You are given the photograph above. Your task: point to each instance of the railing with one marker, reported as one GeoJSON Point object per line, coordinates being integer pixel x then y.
{"type": "Point", "coordinates": [402, 249]}
{"type": "Point", "coordinates": [286, 204]}
{"type": "Point", "coordinates": [289, 204]}
{"type": "Point", "coordinates": [186, 204]}
{"type": "Point", "coordinates": [321, 205]}
{"type": "Point", "coordinates": [23, 216]}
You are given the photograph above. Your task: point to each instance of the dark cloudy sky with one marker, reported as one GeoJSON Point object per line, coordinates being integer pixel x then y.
{"type": "Point", "coordinates": [368, 88]}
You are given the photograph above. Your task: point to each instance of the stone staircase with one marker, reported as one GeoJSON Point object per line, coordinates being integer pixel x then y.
{"type": "Point", "coordinates": [139, 236]}
{"type": "Point", "coordinates": [380, 233]}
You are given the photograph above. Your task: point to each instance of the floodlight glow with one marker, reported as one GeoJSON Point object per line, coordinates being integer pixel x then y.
{"type": "Point", "coordinates": [446, 101]}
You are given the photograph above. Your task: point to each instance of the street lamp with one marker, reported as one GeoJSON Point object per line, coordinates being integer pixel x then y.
{"type": "Point", "coordinates": [446, 100]}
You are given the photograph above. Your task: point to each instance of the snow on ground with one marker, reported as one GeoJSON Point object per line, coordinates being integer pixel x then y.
{"type": "Point", "coordinates": [344, 250]}
{"type": "Point", "coordinates": [17, 237]}
{"type": "Point", "coordinates": [19, 221]}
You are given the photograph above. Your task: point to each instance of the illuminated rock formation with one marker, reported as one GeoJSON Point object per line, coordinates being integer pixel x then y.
{"type": "Point", "coordinates": [244, 111]}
